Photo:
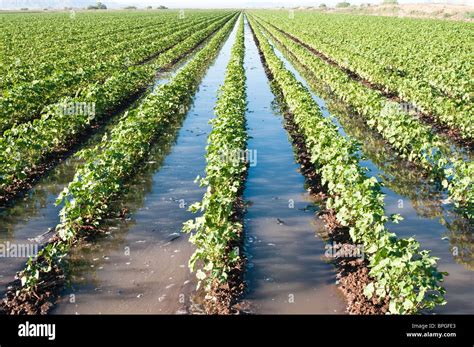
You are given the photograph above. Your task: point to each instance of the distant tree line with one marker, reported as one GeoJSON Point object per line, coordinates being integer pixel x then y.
{"type": "Point", "coordinates": [161, 7]}
{"type": "Point", "coordinates": [99, 6]}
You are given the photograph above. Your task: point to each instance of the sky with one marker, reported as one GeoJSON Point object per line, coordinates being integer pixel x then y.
{"type": "Point", "coordinates": [285, 3]}
{"type": "Point", "coordinates": [202, 3]}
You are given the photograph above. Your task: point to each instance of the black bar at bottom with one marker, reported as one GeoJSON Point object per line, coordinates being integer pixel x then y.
{"type": "Point", "coordinates": [155, 330]}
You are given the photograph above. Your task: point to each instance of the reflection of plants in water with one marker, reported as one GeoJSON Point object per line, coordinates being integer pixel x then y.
{"type": "Point", "coordinates": [30, 206]}
{"type": "Point", "coordinates": [81, 261]}
{"type": "Point", "coordinates": [399, 175]}
{"type": "Point", "coordinates": [46, 190]}
{"type": "Point", "coordinates": [136, 190]}
{"type": "Point", "coordinates": [89, 255]}
{"type": "Point", "coordinates": [405, 180]}
{"type": "Point", "coordinates": [461, 239]}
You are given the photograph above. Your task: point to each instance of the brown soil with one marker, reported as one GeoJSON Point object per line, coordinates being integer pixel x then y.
{"type": "Point", "coordinates": [352, 273]}
{"type": "Point", "coordinates": [37, 300]}
{"type": "Point", "coordinates": [41, 298]}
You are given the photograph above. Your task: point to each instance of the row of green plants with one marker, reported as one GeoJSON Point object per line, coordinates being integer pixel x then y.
{"type": "Point", "coordinates": [412, 140]}
{"type": "Point", "coordinates": [218, 229]}
{"type": "Point", "coordinates": [84, 53]}
{"type": "Point", "coordinates": [437, 81]}
{"type": "Point", "coordinates": [36, 48]}
{"type": "Point", "coordinates": [26, 146]}
{"type": "Point", "coordinates": [399, 269]}
{"type": "Point", "coordinates": [112, 162]}
{"type": "Point", "coordinates": [24, 101]}
{"type": "Point", "coordinates": [397, 176]}
{"type": "Point", "coordinates": [42, 33]}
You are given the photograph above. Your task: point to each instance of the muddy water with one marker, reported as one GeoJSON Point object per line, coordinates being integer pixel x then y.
{"type": "Point", "coordinates": [427, 217]}
{"type": "Point", "coordinates": [287, 272]}
{"type": "Point", "coordinates": [140, 266]}
{"type": "Point", "coordinates": [28, 222]}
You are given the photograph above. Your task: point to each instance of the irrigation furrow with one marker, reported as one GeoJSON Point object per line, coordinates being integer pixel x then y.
{"type": "Point", "coordinates": [31, 149]}
{"type": "Point", "coordinates": [411, 139]}
{"type": "Point", "coordinates": [67, 229]}
{"type": "Point", "coordinates": [452, 134]}
{"type": "Point", "coordinates": [153, 277]}
{"type": "Point", "coordinates": [357, 203]}
{"type": "Point", "coordinates": [454, 114]}
{"type": "Point", "coordinates": [25, 221]}
{"type": "Point", "coordinates": [438, 227]}
{"type": "Point", "coordinates": [286, 268]}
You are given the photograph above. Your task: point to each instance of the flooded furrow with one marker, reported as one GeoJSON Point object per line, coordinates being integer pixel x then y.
{"type": "Point", "coordinates": [140, 265]}
{"type": "Point", "coordinates": [28, 222]}
{"type": "Point", "coordinates": [427, 215]}
{"type": "Point", "coordinates": [286, 269]}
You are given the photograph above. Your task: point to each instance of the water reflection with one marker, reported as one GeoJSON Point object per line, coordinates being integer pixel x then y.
{"type": "Point", "coordinates": [409, 191]}
{"type": "Point", "coordinates": [286, 269]}
{"type": "Point", "coordinates": [140, 264]}
{"type": "Point", "coordinates": [32, 215]}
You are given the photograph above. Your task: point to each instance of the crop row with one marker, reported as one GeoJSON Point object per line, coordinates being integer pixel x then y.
{"type": "Point", "coordinates": [399, 269]}
{"type": "Point", "coordinates": [397, 175]}
{"type": "Point", "coordinates": [25, 100]}
{"type": "Point", "coordinates": [20, 67]}
{"type": "Point", "coordinates": [82, 49]}
{"type": "Point", "coordinates": [452, 107]}
{"type": "Point", "coordinates": [112, 162]}
{"type": "Point", "coordinates": [218, 231]}
{"type": "Point", "coordinates": [411, 139]}
{"type": "Point", "coordinates": [25, 147]}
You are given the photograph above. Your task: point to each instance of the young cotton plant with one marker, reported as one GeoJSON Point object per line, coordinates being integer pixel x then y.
{"type": "Point", "coordinates": [114, 161]}
{"type": "Point", "coordinates": [398, 268]}
{"type": "Point", "coordinates": [412, 140]}
{"type": "Point", "coordinates": [217, 231]}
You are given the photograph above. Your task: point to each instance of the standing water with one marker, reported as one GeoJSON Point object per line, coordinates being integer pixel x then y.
{"type": "Point", "coordinates": [286, 270]}
{"type": "Point", "coordinates": [141, 265]}
{"type": "Point", "coordinates": [27, 223]}
{"type": "Point", "coordinates": [427, 216]}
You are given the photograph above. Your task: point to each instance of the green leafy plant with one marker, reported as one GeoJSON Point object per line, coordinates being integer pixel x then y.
{"type": "Point", "coordinates": [412, 140]}
{"type": "Point", "coordinates": [400, 270]}
{"type": "Point", "coordinates": [113, 161]}
{"type": "Point", "coordinates": [72, 74]}
{"type": "Point", "coordinates": [431, 71]}
{"type": "Point", "coordinates": [28, 145]}
{"type": "Point", "coordinates": [217, 230]}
